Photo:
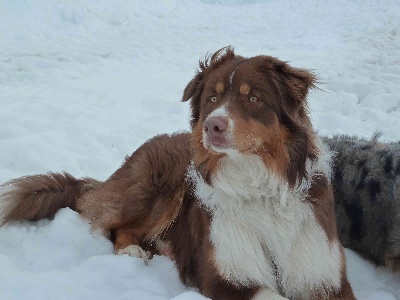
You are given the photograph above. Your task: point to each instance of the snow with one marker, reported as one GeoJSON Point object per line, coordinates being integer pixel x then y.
{"type": "Point", "coordinates": [84, 83]}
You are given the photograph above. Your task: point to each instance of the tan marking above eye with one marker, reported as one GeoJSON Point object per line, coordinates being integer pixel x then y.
{"type": "Point", "coordinates": [219, 87]}
{"type": "Point", "coordinates": [244, 89]}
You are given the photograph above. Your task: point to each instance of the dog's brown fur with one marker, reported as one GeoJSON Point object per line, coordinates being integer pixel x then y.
{"type": "Point", "coordinates": [149, 202]}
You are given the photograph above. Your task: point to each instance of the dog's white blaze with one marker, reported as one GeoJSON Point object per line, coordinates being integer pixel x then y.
{"type": "Point", "coordinates": [231, 77]}
{"type": "Point", "coordinates": [265, 233]}
{"type": "Point", "coordinates": [219, 112]}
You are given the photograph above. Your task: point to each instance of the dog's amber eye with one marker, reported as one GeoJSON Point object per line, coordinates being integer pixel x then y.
{"type": "Point", "coordinates": [213, 99]}
{"type": "Point", "coordinates": [253, 99]}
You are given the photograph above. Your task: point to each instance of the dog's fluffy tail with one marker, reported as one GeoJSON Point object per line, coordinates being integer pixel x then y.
{"type": "Point", "coordinates": [41, 196]}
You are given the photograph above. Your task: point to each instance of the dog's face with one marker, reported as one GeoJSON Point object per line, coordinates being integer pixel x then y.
{"type": "Point", "coordinates": [251, 106]}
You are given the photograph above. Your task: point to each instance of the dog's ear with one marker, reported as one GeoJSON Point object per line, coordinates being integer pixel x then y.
{"type": "Point", "coordinates": [194, 88]}
{"type": "Point", "coordinates": [297, 83]}
{"type": "Point", "coordinates": [294, 85]}
{"type": "Point", "coordinates": [193, 91]}
{"type": "Point", "coordinates": [209, 63]}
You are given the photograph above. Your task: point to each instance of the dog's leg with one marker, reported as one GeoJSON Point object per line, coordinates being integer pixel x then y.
{"type": "Point", "coordinates": [126, 241]}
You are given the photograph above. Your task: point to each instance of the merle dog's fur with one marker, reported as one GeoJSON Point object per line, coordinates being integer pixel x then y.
{"type": "Point", "coordinates": [366, 183]}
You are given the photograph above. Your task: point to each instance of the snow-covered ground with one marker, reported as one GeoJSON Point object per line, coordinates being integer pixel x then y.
{"type": "Point", "coordinates": [84, 83]}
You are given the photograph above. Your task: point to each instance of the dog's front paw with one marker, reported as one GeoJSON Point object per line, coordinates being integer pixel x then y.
{"type": "Point", "coordinates": [134, 251]}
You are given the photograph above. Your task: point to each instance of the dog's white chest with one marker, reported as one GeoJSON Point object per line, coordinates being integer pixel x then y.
{"type": "Point", "coordinates": [266, 235]}
{"type": "Point", "coordinates": [245, 243]}
{"type": "Point", "coordinates": [282, 249]}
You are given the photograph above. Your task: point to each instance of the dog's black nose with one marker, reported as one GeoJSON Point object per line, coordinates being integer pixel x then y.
{"type": "Point", "coordinates": [215, 126]}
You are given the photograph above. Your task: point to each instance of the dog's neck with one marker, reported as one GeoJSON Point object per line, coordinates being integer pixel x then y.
{"type": "Point", "coordinates": [243, 179]}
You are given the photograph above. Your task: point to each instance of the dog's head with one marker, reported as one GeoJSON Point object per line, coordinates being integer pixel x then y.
{"type": "Point", "coordinates": [251, 105]}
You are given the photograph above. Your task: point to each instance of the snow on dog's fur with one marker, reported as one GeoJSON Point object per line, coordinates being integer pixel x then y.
{"type": "Point", "coordinates": [243, 203]}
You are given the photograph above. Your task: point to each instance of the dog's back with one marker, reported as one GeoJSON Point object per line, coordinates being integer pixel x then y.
{"type": "Point", "coordinates": [367, 193]}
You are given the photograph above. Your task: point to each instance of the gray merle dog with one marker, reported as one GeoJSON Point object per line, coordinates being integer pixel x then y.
{"type": "Point", "coordinates": [366, 183]}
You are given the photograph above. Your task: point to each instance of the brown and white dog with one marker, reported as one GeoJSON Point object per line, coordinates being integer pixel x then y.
{"type": "Point", "coordinates": [243, 203]}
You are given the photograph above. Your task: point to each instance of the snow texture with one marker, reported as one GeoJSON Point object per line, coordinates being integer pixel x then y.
{"type": "Point", "coordinates": [84, 83]}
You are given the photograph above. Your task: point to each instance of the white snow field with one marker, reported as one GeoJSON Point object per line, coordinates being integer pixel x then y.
{"type": "Point", "coordinates": [84, 83]}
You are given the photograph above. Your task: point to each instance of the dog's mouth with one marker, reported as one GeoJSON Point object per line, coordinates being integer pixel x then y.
{"type": "Point", "coordinates": [217, 144]}
{"type": "Point", "coordinates": [225, 145]}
